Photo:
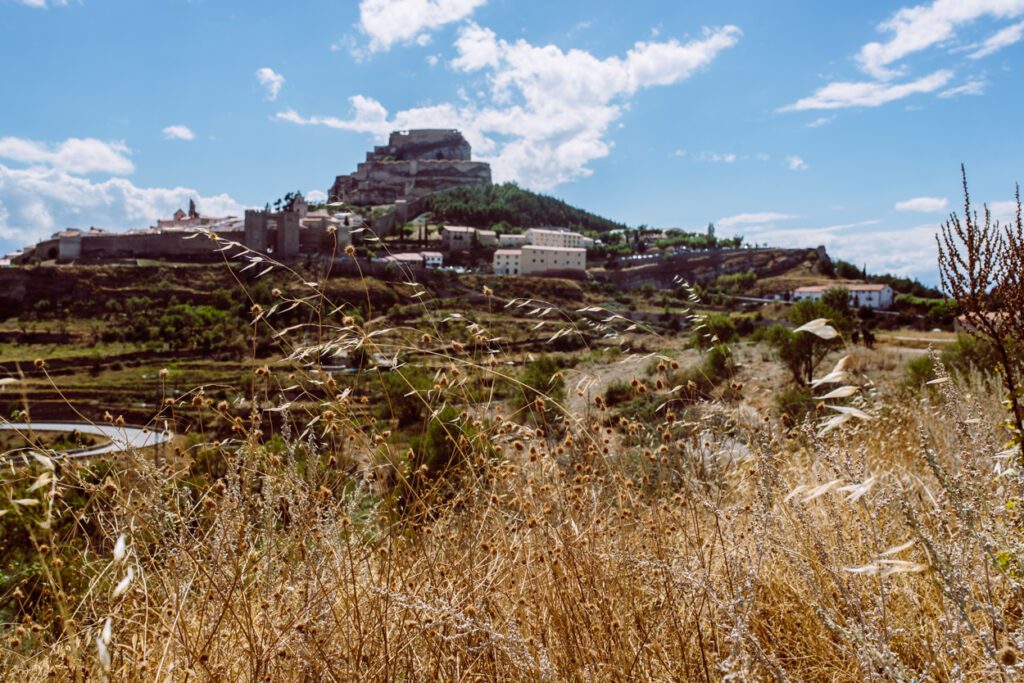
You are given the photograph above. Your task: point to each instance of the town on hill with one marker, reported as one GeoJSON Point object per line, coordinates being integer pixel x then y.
{"type": "Point", "coordinates": [421, 203]}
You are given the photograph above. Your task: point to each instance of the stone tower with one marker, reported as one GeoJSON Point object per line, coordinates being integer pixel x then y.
{"type": "Point", "coordinates": [256, 230]}
{"type": "Point", "coordinates": [287, 247]}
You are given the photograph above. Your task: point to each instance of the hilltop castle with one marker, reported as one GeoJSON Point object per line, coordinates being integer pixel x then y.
{"type": "Point", "coordinates": [414, 164]}
{"type": "Point", "coordinates": [402, 174]}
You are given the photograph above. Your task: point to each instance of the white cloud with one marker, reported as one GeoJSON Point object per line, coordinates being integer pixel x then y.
{"type": "Point", "coordinates": [546, 112]}
{"type": "Point", "coordinates": [912, 30]}
{"type": "Point", "coordinates": [795, 163]}
{"type": "Point", "coordinates": [43, 4]}
{"type": "Point", "coordinates": [972, 87]}
{"type": "Point", "coordinates": [923, 204]}
{"type": "Point", "coordinates": [271, 81]}
{"type": "Point", "coordinates": [821, 121]}
{"type": "Point", "coordinates": [36, 201]}
{"type": "Point", "coordinates": [680, 153]}
{"type": "Point", "coordinates": [74, 155]}
{"type": "Point", "coordinates": [840, 95]}
{"type": "Point", "coordinates": [316, 196]}
{"type": "Point", "coordinates": [717, 158]}
{"type": "Point", "coordinates": [1004, 211]}
{"type": "Point", "coordinates": [908, 252]}
{"type": "Point", "coordinates": [178, 132]}
{"type": "Point", "coordinates": [388, 22]}
{"type": "Point", "coordinates": [754, 219]}
{"type": "Point", "coordinates": [1003, 38]}
{"type": "Point", "coordinates": [49, 193]}
{"type": "Point", "coordinates": [477, 47]}
{"type": "Point", "coordinates": [920, 27]}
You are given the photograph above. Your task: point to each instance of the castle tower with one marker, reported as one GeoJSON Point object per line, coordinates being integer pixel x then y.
{"type": "Point", "coordinates": [287, 247]}
{"type": "Point", "coordinates": [256, 230]}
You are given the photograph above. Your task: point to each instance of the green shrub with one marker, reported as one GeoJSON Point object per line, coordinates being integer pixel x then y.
{"type": "Point", "coordinates": [919, 371]}
{"type": "Point", "coordinates": [718, 363]}
{"type": "Point", "coordinates": [404, 395]}
{"type": "Point", "coordinates": [541, 379]}
{"type": "Point", "coordinates": [795, 403]}
{"type": "Point", "coordinates": [617, 392]}
{"type": "Point", "coordinates": [969, 354]}
{"type": "Point", "coordinates": [714, 328]}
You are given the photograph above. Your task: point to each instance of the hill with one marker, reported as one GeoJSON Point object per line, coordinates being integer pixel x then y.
{"type": "Point", "coordinates": [508, 204]}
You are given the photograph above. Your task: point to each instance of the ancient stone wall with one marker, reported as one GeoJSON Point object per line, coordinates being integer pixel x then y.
{"type": "Point", "coordinates": [414, 164]}
{"type": "Point", "coordinates": [704, 266]}
{"type": "Point", "coordinates": [169, 245]}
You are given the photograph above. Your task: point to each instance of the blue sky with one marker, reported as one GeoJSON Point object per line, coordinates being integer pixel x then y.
{"type": "Point", "coordinates": [798, 123]}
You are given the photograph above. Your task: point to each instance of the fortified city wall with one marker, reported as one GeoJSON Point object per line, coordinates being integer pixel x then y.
{"type": "Point", "coordinates": [412, 165]}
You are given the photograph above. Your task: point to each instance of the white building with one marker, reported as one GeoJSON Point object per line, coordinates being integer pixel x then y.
{"type": "Point", "coordinates": [405, 258]}
{"type": "Point", "coordinates": [459, 238]}
{"type": "Point", "coordinates": [511, 239]}
{"type": "Point", "coordinates": [506, 261]}
{"type": "Point", "coordinates": [487, 238]}
{"type": "Point", "coordinates": [433, 259]}
{"type": "Point", "coordinates": [861, 295]}
{"type": "Point", "coordinates": [546, 237]}
{"type": "Point", "coordinates": [533, 258]}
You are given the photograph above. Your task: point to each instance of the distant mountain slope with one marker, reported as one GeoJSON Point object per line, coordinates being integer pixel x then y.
{"type": "Point", "coordinates": [485, 206]}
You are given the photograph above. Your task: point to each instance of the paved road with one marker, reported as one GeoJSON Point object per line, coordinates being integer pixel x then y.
{"type": "Point", "coordinates": [121, 438]}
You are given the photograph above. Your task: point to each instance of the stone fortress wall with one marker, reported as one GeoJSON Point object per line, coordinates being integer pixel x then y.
{"type": "Point", "coordinates": [396, 178]}
{"type": "Point", "coordinates": [412, 165]}
{"type": "Point", "coordinates": [287, 234]}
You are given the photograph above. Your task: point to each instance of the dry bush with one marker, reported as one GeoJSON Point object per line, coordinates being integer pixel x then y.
{"type": "Point", "coordinates": [549, 547]}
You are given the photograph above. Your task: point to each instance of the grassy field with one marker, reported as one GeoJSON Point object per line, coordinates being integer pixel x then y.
{"type": "Point", "coordinates": [536, 490]}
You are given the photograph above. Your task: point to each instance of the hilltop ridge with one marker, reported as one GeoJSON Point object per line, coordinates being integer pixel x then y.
{"type": "Point", "coordinates": [484, 206]}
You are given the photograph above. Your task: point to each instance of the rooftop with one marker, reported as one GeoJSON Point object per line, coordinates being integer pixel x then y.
{"type": "Point", "coordinates": [537, 247]}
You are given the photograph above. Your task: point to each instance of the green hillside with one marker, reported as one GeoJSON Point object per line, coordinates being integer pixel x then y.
{"type": "Point", "coordinates": [508, 204]}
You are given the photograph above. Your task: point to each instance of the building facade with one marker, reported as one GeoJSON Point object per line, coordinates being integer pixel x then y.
{"type": "Point", "coordinates": [547, 237]}
{"type": "Point", "coordinates": [533, 259]}
{"type": "Point", "coordinates": [512, 239]}
{"type": "Point", "coordinates": [861, 295]}
{"type": "Point", "coordinates": [506, 261]}
{"type": "Point", "coordinates": [459, 238]}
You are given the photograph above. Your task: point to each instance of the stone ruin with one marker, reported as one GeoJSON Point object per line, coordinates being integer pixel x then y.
{"type": "Point", "coordinates": [413, 164]}
{"type": "Point", "coordinates": [288, 233]}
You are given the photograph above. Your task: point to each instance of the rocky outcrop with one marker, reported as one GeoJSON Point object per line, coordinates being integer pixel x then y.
{"type": "Point", "coordinates": [412, 165]}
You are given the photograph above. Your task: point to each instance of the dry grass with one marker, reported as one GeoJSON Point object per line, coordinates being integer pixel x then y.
{"type": "Point", "coordinates": [549, 547]}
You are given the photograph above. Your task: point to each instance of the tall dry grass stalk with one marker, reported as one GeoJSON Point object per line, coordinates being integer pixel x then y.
{"type": "Point", "coordinates": [547, 546]}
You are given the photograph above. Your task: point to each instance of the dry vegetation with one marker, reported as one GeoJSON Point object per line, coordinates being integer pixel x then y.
{"type": "Point", "coordinates": [509, 540]}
